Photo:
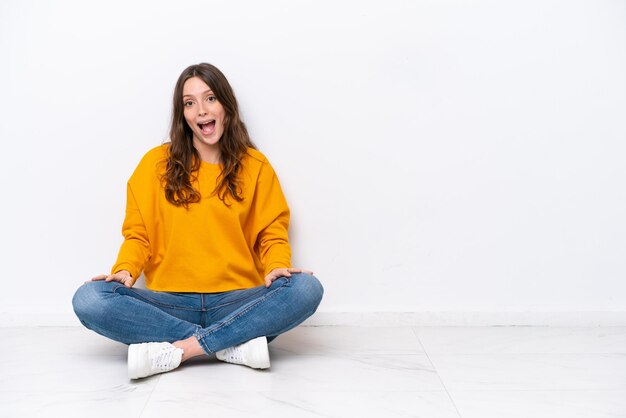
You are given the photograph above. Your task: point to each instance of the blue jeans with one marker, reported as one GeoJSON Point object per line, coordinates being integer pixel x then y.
{"type": "Point", "coordinates": [217, 320]}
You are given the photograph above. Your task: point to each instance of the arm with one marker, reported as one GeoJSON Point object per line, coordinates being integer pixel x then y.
{"type": "Point", "coordinates": [135, 250]}
{"type": "Point", "coordinates": [273, 241]}
{"type": "Point", "coordinates": [271, 215]}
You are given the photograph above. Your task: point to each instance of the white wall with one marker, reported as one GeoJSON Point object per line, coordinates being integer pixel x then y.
{"type": "Point", "coordinates": [438, 156]}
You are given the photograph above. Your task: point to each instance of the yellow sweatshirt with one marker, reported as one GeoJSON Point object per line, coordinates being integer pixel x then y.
{"type": "Point", "coordinates": [210, 247]}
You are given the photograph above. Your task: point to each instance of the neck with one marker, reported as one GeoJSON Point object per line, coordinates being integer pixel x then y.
{"type": "Point", "coordinates": [209, 154]}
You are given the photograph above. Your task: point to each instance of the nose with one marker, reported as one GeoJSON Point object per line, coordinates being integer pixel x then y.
{"type": "Point", "coordinates": [202, 109]}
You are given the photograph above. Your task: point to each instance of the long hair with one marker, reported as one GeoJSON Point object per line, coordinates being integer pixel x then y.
{"type": "Point", "coordinates": [183, 161]}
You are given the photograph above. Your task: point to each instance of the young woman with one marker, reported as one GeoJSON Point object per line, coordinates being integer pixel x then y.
{"type": "Point", "coordinates": [207, 223]}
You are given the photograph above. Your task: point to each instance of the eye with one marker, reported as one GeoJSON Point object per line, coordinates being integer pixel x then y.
{"type": "Point", "coordinates": [211, 99]}
{"type": "Point", "coordinates": [188, 103]}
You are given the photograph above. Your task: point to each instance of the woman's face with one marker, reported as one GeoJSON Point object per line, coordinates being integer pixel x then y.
{"type": "Point", "coordinates": [203, 113]}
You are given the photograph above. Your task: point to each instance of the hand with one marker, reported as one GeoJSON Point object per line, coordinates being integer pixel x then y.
{"type": "Point", "coordinates": [280, 272]}
{"type": "Point", "coordinates": [122, 276]}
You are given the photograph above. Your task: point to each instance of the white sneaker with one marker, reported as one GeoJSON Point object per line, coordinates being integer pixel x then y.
{"type": "Point", "coordinates": [146, 359]}
{"type": "Point", "coordinates": [253, 353]}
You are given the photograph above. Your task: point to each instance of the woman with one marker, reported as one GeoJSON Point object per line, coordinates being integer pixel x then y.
{"type": "Point", "coordinates": [207, 223]}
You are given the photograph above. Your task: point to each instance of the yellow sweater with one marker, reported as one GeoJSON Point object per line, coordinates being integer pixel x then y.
{"type": "Point", "coordinates": [210, 247]}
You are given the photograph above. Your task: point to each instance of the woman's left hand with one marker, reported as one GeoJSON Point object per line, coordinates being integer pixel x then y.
{"type": "Point", "coordinates": [280, 272]}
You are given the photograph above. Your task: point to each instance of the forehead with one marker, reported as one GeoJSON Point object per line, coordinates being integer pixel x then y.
{"type": "Point", "coordinates": [194, 87]}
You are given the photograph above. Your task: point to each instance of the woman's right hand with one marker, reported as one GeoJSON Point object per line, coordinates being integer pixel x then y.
{"type": "Point", "coordinates": [122, 276]}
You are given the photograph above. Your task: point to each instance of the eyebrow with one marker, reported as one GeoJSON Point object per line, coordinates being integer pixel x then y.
{"type": "Point", "coordinates": [203, 93]}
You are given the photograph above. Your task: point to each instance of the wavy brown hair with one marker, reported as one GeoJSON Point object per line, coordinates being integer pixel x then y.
{"type": "Point", "coordinates": [183, 161]}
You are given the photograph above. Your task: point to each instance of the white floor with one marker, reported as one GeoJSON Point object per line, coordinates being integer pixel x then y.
{"type": "Point", "coordinates": [329, 372]}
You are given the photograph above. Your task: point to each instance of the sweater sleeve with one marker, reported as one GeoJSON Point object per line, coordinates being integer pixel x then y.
{"type": "Point", "coordinates": [135, 250]}
{"type": "Point", "coordinates": [272, 221]}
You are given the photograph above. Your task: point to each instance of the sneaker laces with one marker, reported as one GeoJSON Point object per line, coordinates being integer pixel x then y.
{"type": "Point", "coordinates": [164, 359]}
{"type": "Point", "coordinates": [234, 353]}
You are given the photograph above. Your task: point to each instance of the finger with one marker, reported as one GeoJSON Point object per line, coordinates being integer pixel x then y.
{"type": "Point", "coordinates": [114, 278]}
{"type": "Point", "coordinates": [299, 270]}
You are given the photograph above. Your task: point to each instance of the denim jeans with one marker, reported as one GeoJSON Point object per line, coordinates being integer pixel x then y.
{"type": "Point", "coordinates": [217, 320]}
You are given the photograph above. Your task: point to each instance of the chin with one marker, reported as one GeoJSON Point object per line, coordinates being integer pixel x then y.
{"type": "Point", "coordinates": [209, 141]}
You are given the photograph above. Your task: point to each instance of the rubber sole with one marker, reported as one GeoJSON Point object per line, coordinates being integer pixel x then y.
{"type": "Point", "coordinates": [261, 355]}
{"type": "Point", "coordinates": [137, 353]}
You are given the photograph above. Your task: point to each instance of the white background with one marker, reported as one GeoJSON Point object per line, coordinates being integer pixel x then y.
{"type": "Point", "coordinates": [437, 156]}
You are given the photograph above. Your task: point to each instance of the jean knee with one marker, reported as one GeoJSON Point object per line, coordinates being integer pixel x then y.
{"type": "Point", "coordinates": [310, 290]}
{"type": "Point", "coordinates": [87, 300]}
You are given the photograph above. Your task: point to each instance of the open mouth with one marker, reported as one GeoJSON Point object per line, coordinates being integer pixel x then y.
{"type": "Point", "coordinates": [207, 127]}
